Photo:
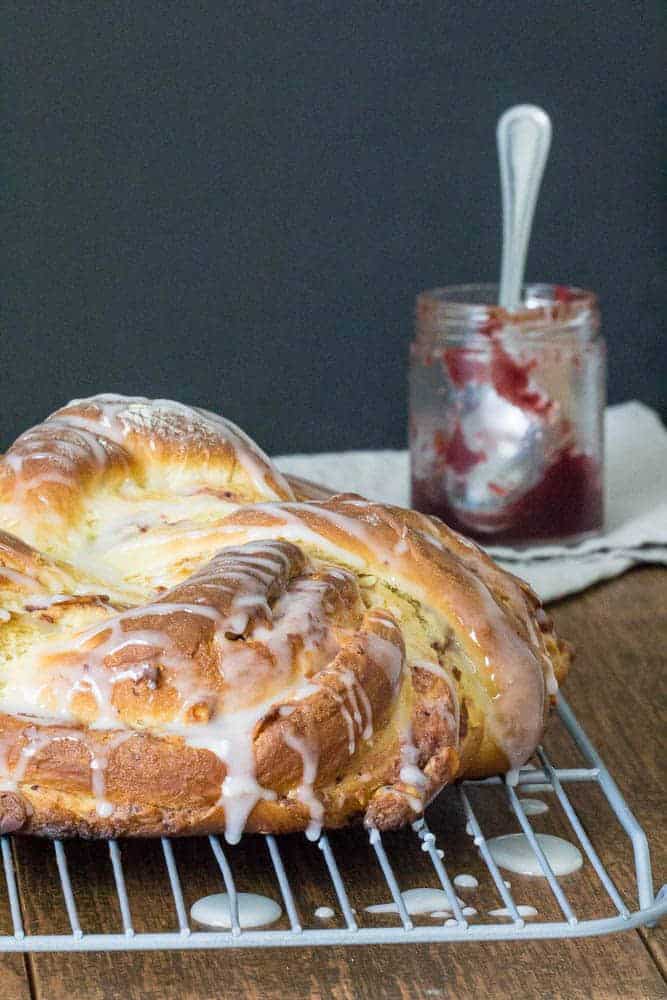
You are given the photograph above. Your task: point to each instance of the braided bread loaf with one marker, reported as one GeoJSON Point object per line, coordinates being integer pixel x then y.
{"type": "Point", "coordinates": [189, 643]}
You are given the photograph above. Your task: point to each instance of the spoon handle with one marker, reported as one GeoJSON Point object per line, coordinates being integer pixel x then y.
{"type": "Point", "coordinates": [524, 137]}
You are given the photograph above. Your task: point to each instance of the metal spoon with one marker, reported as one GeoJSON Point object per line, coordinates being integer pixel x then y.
{"type": "Point", "coordinates": [516, 443]}
{"type": "Point", "coordinates": [524, 138]}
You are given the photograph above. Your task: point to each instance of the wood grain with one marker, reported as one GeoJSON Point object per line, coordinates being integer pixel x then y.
{"type": "Point", "coordinates": [617, 689]}
{"type": "Point", "coordinates": [621, 631]}
{"type": "Point", "coordinates": [14, 983]}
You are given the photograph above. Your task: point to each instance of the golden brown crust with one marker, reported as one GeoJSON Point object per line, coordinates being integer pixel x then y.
{"type": "Point", "coordinates": [114, 442]}
{"type": "Point", "coordinates": [184, 657]}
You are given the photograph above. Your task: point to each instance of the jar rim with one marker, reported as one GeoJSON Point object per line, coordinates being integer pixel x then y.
{"type": "Point", "coordinates": [543, 307]}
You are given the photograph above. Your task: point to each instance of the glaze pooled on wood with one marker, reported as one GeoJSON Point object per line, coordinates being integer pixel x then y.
{"type": "Point", "coordinates": [534, 807]}
{"type": "Point", "coordinates": [514, 853]}
{"type": "Point", "coordinates": [523, 911]}
{"type": "Point", "coordinates": [464, 881]}
{"type": "Point", "coordinates": [253, 910]}
{"type": "Point", "coordinates": [417, 901]}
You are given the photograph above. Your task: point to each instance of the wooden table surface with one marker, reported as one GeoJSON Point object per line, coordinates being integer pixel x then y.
{"type": "Point", "coordinates": [617, 690]}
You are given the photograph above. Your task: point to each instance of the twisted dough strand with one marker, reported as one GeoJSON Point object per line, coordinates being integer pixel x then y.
{"type": "Point", "coordinates": [186, 647]}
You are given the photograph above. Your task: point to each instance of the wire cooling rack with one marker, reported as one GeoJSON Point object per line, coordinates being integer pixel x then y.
{"type": "Point", "coordinates": [618, 915]}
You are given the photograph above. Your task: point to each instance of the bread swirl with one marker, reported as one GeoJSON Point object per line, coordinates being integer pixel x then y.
{"type": "Point", "coordinates": [189, 643]}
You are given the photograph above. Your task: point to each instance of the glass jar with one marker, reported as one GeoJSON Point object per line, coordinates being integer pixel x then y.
{"type": "Point", "coordinates": [506, 413]}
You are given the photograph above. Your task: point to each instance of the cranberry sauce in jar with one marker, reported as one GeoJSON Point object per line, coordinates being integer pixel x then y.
{"type": "Point", "coordinates": [506, 413]}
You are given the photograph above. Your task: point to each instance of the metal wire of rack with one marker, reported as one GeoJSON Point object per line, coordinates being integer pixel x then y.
{"type": "Point", "coordinates": [650, 907]}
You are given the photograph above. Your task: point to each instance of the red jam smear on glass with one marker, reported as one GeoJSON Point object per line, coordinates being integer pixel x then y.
{"type": "Point", "coordinates": [567, 501]}
{"type": "Point", "coordinates": [455, 453]}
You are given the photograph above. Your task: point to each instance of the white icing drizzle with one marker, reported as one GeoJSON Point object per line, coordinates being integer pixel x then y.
{"type": "Point", "coordinates": [99, 762]}
{"type": "Point", "coordinates": [410, 773]}
{"type": "Point", "coordinates": [305, 793]}
{"type": "Point", "coordinates": [514, 852]}
{"type": "Point", "coordinates": [443, 674]}
{"type": "Point", "coordinates": [523, 911]}
{"type": "Point", "coordinates": [120, 416]}
{"type": "Point", "coordinates": [246, 569]}
{"type": "Point", "coordinates": [357, 694]}
{"type": "Point", "coordinates": [417, 902]}
{"type": "Point", "coordinates": [61, 455]}
{"type": "Point", "coordinates": [515, 714]}
{"type": "Point", "coordinates": [116, 418]}
{"type": "Point", "coordinates": [37, 739]}
{"type": "Point", "coordinates": [253, 910]}
{"type": "Point", "coordinates": [402, 546]}
{"type": "Point", "coordinates": [264, 662]}
{"type": "Point", "coordinates": [534, 807]}
{"type": "Point", "coordinates": [24, 581]}
{"type": "Point", "coordinates": [464, 881]}
{"type": "Point", "coordinates": [428, 840]}
{"type": "Point", "coordinates": [230, 738]}
{"type": "Point", "coordinates": [347, 718]}
{"type": "Point", "coordinates": [384, 652]}
{"type": "Point", "coordinates": [299, 612]}
{"type": "Point", "coordinates": [43, 603]}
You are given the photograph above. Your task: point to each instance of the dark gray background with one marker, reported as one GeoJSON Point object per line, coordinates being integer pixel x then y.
{"type": "Point", "coordinates": [234, 204]}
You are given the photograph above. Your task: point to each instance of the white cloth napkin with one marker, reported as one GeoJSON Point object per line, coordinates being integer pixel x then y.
{"type": "Point", "coordinates": [635, 497]}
